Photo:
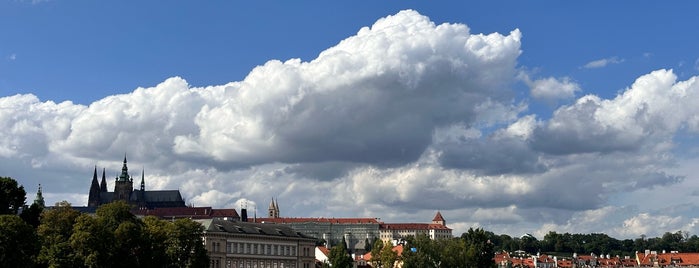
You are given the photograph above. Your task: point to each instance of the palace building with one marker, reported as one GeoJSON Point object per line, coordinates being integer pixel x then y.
{"type": "Point", "coordinates": [124, 191]}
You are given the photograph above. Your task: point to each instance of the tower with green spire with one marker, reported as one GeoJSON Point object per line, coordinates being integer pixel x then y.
{"type": "Point", "coordinates": [124, 191]}
{"type": "Point", "coordinates": [124, 184]}
{"type": "Point", "coordinates": [39, 200]}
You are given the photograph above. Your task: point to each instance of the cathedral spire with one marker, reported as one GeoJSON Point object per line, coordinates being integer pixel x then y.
{"type": "Point", "coordinates": [39, 200]}
{"type": "Point", "coordinates": [143, 179]}
{"type": "Point", "coordinates": [124, 172]}
{"type": "Point", "coordinates": [103, 184]}
{"type": "Point", "coordinates": [93, 198]}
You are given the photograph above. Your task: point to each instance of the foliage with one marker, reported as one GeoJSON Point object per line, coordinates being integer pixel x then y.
{"type": "Point", "coordinates": [32, 214]}
{"type": "Point", "coordinates": [421, 251]}
{"type": "Point", "coordinates": [114, 237]}
{"type": "Point", "coordinates": [472, 249]}
{"type": "Point", "coordinates": [18, 243]}
{"type": "Point", "coordinates": [387, 256]}
{"type": "Point", "coordinates": [12, 196]}
{"type": "Point", "coordinates": [480, 250]}
{"type": "Point", "coordinates": [339, 258]}
{"type": "Point", "coordinates": [185, 246]}
{"type": "Point", "coordinates": [596, 243]}
{"type": "Point", "coordinates": [54, 233]}
{"type": "Point", "coordinates": [367, 245]}
{"type": "Point", "coordinates": [376, 252]}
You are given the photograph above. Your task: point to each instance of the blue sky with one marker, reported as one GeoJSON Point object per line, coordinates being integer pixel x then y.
{"type": "Point", "coordinates": [84, 50]}
{"type": "Point", "coordinates": [519, 117]}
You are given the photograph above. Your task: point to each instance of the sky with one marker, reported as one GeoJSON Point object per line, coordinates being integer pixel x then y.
{"type": "Point", "coordinates": [513, 116]}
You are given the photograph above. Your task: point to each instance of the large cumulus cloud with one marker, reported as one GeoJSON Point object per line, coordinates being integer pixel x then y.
{"type": "Point", "coordinates": [404, 118]}
{"type": "Point", "coordinates": [374, 98]}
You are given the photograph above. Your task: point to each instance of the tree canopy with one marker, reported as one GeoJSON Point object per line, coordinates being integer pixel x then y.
{"type": "Point", "coordinates": [12, 196]}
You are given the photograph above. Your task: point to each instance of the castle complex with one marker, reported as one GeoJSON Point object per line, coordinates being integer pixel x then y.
{"type": "Point", "coordinates": [124, 190]}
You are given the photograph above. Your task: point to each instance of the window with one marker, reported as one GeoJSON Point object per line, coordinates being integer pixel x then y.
{"type": "Point", "coordinates": [228, 247]}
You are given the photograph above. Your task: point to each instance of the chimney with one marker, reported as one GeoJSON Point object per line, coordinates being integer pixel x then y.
{"type": "Point", "coordinates": [244, 214]}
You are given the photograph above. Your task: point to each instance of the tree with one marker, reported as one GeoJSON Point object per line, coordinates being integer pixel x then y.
{"type": "Point", "coordinates": [480, 251]}
{"type": "Point", "coordinates": [185, 244]}
{"type": "Point", "coordinates": [367, 245]}
{"type": "Point", "coordinates": [339, 258]}
{"type": "Point", "coordinates": [18, 242]}
{"type": "Point", "coordinates": [376, 252]}
{"type": "Point", "coordinates": [91, 242]}
{"type": "Point", "coordinates": [454, 253]}
{"type": "Point", "coordinates": [32, 215]}
{"type": "Point", "coordinates": [421, 252]}
{"type": "Point", "coordinates": [388, 256]}
{"type": "Point", "coordinates": [54, 233]}
{"type": "Point", "coordinates": [155, 233]}
{"type": "Point", "coordinates": [12, 196]}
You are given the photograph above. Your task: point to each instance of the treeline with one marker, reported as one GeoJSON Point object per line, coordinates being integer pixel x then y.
{"type": "Point", "coordinates": [472, 249]}
{"type": "Point", "coordinates": [596, 243]}
{"type": "Point", "coordinates": [113, 237]}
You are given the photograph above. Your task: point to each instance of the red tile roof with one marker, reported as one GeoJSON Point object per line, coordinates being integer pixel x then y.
{"type": "Point", "coordinates": [398, 249]}
{"type": "Point", "coordinates": [324, 250]}
{"type": "Point", "coordinates": [412, 226]}
{"type": "Point", "coordinates": [324, 220]}
{"type": "Point", "coordinates": [188, 212]}
{"type": "Point", "coordinates": [679, 259]}
{"type": "Point", "coordinates": [438, 217]}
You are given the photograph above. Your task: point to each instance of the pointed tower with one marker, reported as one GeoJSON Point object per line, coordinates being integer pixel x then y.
{"type": "Point", "coordinates": [143, 180]}
{"type": "Point", "coordinates": [39, 200]}
{"type": "Point", "coordinates": [93, 199]}
{"type": "Point", "coordinates": [142, 191]}
{"type": "Point", "coordinates": [103, 184]}
{"type": "Point", "coordinates": [273, 210]}
{"type": "Point", "coordinates": [438, 219]}
{"type": "Point", "coordinates": [124, 184]}
{"type": "Point", "coordinates": [276, 208]}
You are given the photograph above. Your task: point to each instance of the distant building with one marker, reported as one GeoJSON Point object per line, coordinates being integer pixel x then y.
{"type": "Point", "coordinates": [650, 258]}
{"type": "Point", "coordinates": [273, 209]}
{"type": "Point", "coordinates": [228, 214]}
{"type": "Point", "coordinates": [355, 231]}
{"type": "Point", "coordinates": [390, 232]}
{"type": "Point", "coordinates": [247, 244]}
{"type": "Point", "coordinates": [124, 190]}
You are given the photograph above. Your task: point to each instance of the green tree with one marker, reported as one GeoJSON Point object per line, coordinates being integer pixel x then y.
{"type": "Point", "coordinates": [367, 245]}
{"type": "Point", "coordinates": [54, 233]}
{"type": "Point", "coordinates": [480, 251]}
{"type": "Point", "coordinates": [128, 246]}
{"type": "Point", "coordinates": [388, 256]}
{"type": "Point", "coordinates": [185, 244]}
{"type": "Point", "coordinates": [32, 214]}
{"type": "Point", "coordinates": [19, 244]}
{"type": "Point", "coordinates": [12, 196]}
{"type": "Point", "coordinates": [155, 233]}
{"type": "Point", "coordinates": [339, 258]}
{"type": "Point", "coordinates": [91, 242]}
{"type": "Point", "coordinates": [421, 252]}
{"type": "Point", "coordinates": [454, 253]}
{"type": "Point", "coordinates": [376, 252]}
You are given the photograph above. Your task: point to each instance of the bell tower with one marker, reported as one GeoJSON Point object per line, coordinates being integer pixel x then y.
{"type": "Point", "coordinates": [123, 185]}
{"type": "Point", "coordinates": [273, 209]}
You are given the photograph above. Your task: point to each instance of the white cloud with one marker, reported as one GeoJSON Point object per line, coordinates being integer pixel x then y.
{"type": "Point", "coordinates": [398, 121]}
{"type": "Point", "coordinates": [602, 62]}
{"type": "Point", "coordinates": [551, 89]}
